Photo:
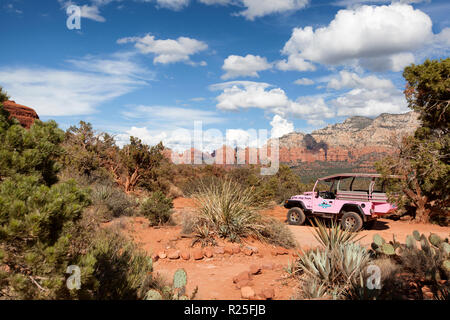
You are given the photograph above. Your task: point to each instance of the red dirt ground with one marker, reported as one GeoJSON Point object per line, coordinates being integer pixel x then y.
{"type": "Point", "coordinates": [214, 276]}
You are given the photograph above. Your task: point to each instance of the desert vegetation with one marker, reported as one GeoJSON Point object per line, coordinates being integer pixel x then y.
{"type": "Point", "coordinates": [423, 160]}
{"type": "Point", "coordinates": [342, 269]}
{"type": "Point", "coordinates": [232, 211]}
{"type": "Point", "coordinates": [59, 189]}
{"type": "Point", "coordinates": [51, 208]}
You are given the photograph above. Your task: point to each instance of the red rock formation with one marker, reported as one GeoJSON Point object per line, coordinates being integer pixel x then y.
{"type": "Point", "coordinates": [357, 139]}
{"type": "Point", "coordinates": [25, 115]}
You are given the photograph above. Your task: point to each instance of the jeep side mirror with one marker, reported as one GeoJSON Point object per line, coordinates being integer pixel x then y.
{"type": "Point", "coordinates": [317, 194]}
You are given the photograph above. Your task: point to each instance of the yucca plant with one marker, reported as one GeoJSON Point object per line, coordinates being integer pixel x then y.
{"type": "Point", "coordinates": [334, 236]}
{"type": "Point", "coordinates": [231, 209]}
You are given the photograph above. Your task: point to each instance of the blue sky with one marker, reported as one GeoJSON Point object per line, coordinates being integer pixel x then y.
{"type": "Point", "coordinates": [149, 68]}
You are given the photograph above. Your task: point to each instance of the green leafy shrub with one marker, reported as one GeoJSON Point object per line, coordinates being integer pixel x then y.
{"type": "Point", "coordinates": [36, 214]}
{"type": "Point", "coordinates": [157, 208]}
{"type": "Point", "coordinates": [116, 202]}
{"type": "Point", "coordinates": [114, 268]}
{"type": "Point", "coordinates": [275, 232]}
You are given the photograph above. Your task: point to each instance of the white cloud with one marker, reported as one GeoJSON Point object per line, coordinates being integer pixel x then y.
{"type": "Point", "coordinates": [311, 108]}
{"type": "Point", "coordinates": [365, 96]}
{"type": "Point", "coordinates": [443, 38]}
{"type": "Point", "coordinates": [54, 92]}
{"type": "Point", "coordinates": [352, 80]}
{"type": "Point", "coordinates": [304, 82]}
{"type": "Point", "coordinates": [173, 4]}
{"type": "Point", "coordinates": [355, 3]}
{"type": "Point", "coordinates": [238, 95]}
{"type": "Point", "coordinates": [247, 94]}
{"type": "Point", "coordinates": [280, 127]}
{"type": "Point", "coordinates": [395, 62]}
{"type": "Point", "coordinates": [93, 11]}
{"type": "Point", "coordinates": [168, 50]}
{"type": "Point", "coordinates": [89, 12]}
{"type": "Point", "coordinates": [218, 2]}
{"type": "Point", "coordinates": [369, 96]}
{"type": "Point", "coordinates": [295, 62]}
{"type": "Point", "coordinates": [198, 99]}
{"type": "Point", "coordinates": [117, 65]}
{"type": "Point", "coordinates": [369, 103]}
{"type": "Point", "coordinates": [172, 116]}
{"type": "Point", "coordinates": [11, 8]}
{"type": "Point", "coordinates": [248, 66]}
{"type": "Point", "coordinates": [259, 8]}
{"type": "Point", "coordinates": [379, 37]}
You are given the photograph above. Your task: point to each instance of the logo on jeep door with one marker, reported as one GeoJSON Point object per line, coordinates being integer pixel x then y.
{"type": "Point", "coordinates": [324, 205]}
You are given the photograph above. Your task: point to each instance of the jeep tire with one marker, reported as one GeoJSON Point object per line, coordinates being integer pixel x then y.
{"type": "Point", "coordinates": [296, 216]}
{"type": "Point", "coordinates": [352, 221]}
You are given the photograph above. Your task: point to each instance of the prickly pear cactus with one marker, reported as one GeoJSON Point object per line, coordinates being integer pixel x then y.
{"type": "Point", "coordinates": [446, 265]}
{"type": "Point", "coordinates": [378, 240]}
{"type": "Point", "coordinates": [416, 235]}
{"type": "Point", "coordinates": [153, 295]}
{"type": "Point", "coordinates": [435, 240]}
{"type": "Point", "coordinates": [179, 279]}
{"type": "Point", "coordinates": [446, 248]}
{"type": "Point", "coordinates": [424, 244]}
{"type": "Point", "coordinates": [388, 249]}
{"type": "Point", "coordinates": [410, 242]}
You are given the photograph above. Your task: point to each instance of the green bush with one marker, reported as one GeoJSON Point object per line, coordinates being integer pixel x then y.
{"type": "Point", "coordinates": [45, 226]}
{"type": "Point", "coordinates": [157, 208]}
{"type": "Point", "coordinates": [275, 232]}
{"type": "Point", "coordinates": [36, 213]}
{"type": "Point", "coordinates": [116, 202]}
{"type": "Point", "coordinates": [113, 268]}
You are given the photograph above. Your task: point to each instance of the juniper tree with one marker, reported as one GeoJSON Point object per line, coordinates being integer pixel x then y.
{"type": "Point", "coordinates": [424, 158]}
{"type": "Point", "coordinates": [36, 212]}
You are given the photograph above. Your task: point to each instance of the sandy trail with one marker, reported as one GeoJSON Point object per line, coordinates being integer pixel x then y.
{"type": "Point", "coordinates": [384, 227]}
{"type": "Point", "coordinates": [214, 276]}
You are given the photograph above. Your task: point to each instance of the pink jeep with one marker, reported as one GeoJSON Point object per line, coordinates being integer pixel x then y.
{"type": "Point", "coordinates": [356, 199]}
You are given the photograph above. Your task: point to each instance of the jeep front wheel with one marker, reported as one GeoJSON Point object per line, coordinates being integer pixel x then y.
{"type": "Point", "coordinates": [296, 216]}
{"type": "Point", "coordinates": [351, 221]}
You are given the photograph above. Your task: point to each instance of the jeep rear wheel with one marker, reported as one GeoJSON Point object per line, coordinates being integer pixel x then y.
{"type": "Point", "coordinates": [296, 216]}
{"type": "Point", "coordinates": [351, 221]}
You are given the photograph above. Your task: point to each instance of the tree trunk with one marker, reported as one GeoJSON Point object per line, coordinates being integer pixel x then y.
{"type": "Point", "coordinates": [419, 201]}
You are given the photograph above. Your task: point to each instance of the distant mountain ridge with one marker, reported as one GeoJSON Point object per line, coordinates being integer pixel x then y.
{"type": "Point", "coordinates": [356, 139]}
{"type": "Point", "coordinates": [349, 140]}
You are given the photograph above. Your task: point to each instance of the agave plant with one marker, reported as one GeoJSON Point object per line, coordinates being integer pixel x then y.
{"type": "Point", "coordinates": [314, 289]}
{"type": "Point", "coordinates": [335, 268]}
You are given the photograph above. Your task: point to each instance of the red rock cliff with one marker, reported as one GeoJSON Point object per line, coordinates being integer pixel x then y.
{"type": "Point", "coordinates": [25, 115]}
